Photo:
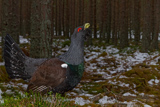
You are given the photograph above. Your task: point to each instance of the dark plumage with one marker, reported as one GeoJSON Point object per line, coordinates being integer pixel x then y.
{"type": "Point", "coordinates": [58, 74]}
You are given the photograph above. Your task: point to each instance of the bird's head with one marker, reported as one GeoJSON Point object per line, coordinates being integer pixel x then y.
{"type": "Point", "coordinates": [82, 33]}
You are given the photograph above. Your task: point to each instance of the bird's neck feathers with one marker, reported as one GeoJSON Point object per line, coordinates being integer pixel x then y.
{"type": "Point", "coordinates": [75, 53]}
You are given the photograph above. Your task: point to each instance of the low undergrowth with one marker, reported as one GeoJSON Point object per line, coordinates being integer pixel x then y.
{"type": "Point", "coordinates": [35, 100]}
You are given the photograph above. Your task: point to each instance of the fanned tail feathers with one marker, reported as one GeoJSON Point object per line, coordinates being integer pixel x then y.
{"type": "Point", "coordinates": [14, 59]}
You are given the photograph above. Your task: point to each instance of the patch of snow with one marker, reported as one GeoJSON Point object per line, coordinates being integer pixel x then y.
{"type": "Point", "coordinates": [111, 50]}
{"type": "Point", "coordinates": [131, 104]}
{"type": "Point", "coordinates": [134, 85]}
{"type": "Point", "coordinates": [156, 81]}
{"type": "Point", "coordinates": [141, 94]}
{"type": "Point", "coordinates": [85, 94]}
{"type": "Point", "coordinates": [71, 93]}
{"type": "Point", "coordinates": [146, 105]}
{"type": "Point", "coordinates": [99, 81]}
{"type": "Point", "coordinates": [123, 84]}
{"type": "Point", "coordinates": [91, 57]}
{"type": "Point", "coordinates": [0, 38]}
{"type": "Point", "coordinates": [122, 76]}
{"type": "Point", "coordinates": [81, 101]}
{"type": "Point", "coordinates": [1, 63]}
{"type": "Point", "coordinates": [0, 94]}
{"type": "Point", "coordinates": [23, 40]}
{"type": "Point", "coordinates": [153, 81]}
{"type": "Point", "coordinates": [25, 86]}
{"type": "Point", "coordinates": [107, 100]}
{"type": "Point", "coordinates": [128, 94]}
{"type": "Point", "coordinates": [114, 83]}
{"type": "Point", "coordinates": [9, 92]}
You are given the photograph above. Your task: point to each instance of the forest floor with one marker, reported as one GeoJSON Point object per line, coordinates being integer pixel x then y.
{"type": "Point", "coordinates": [112, 78]}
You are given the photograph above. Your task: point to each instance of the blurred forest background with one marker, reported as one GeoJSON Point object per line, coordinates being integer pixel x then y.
{"type": "Point", "coordinates": [118, 22]}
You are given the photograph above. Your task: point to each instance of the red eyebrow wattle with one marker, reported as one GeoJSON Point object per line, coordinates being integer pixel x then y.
{"type": "Point", "coordinates": [79, 29]}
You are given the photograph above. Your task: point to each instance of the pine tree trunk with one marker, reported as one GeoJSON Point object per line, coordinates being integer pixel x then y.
{"type": "Point", "coordinates": [156, 23]}
{"type": "Point", "coordinates": [45, 29]}
{"type": "Point", "coordinates": [123, 24]}
{"type": "Point", "coordinates": [136, 21]}
{"type": "Point", "coordinates": [59, 17]}
{"type": "Point", "coordinates": [90, 20]}
{"type": "Point", "coordinates": [72, 21]}
{"type": "Point", "coordinates": [56, 19]}
{"type": "Point", "coordinates": [113, 20]}
{"type": "Point", "coordinates": [102, 23]}
{"type": "Point", "coordinates": [108, 25]}
{"type": "Point", "coordinates": [67, 19]}
{"type": "Point", "coordinates": [95, 19]}
{"type": "Point", "coordinates": [116, 22]}
{"type": "Point", "coordinates": [15, 20]}
{"type": "Point", "coordinates": [146, 38]}
{"type": "Point", "coordinates": [10, 19]}
{"type": "Point", "coordinates": [82, 12]}
{"type": "Point", "coordinates": [25, 13]}
{"type": "Point", "coordinates": [5, 17]}
{"type": "Point", "coordinates": [41, 39]}
{"type": "Point", "coordinates": [35, 50]}
{"type": "Point", "coordinates": [0, 15]}
{"type": "Point", "coordinates": [28, 17]}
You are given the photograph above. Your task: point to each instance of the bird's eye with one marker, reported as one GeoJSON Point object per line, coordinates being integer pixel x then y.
{"type": "Point", "coordinates": [79, 29]}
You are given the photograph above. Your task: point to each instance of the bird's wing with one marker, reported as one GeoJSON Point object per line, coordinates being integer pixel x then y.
{"type": "Point", "coordinates": [49, 74]}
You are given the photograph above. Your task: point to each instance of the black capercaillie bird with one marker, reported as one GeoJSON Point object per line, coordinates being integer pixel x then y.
{"type": "Point", "coordinates": [58, 75]}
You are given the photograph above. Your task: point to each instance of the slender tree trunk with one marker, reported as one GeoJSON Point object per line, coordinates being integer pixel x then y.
{"type": "Point", "coordinates": [108, 21]}
{"type": "Point", "coordinates": [56, 15]}
{"type": "Point", "coordinates": [52, 18]}
{"type": "Point", "coordinates": [90, 20]}
{"type": "Point", "coordinates": [123, 24]}
{"type": "Point", "coordinates": [154, 43]}
{"type": "Point", "coordinates": [82, 12]}
{"type": "Point", "coordinates": [95, 18]}
{"type": "Point", "coordinates": [146, 38]}
{"type": "Point", "coordinates": [5, 17]}
{"type": "Point", "coordinates": [62, 17]}
{"type": "Point", "coordinates": [25, 13]}
{"type": "Point", "coordinates": [113, 20]}
{"type": "Point", "coordinates": [59, 17]}
{"type": "Point", "coordinates": [73, 21]}
{"type": "Point", "coordinates": [116, 23]}
{"type": "Point", "coordinates": [0, 15]}
{"type": "Point", "coordinates": [10, 19]}
{"type": "Point", "coordinates": [15, 22]}
{"type": "Point", "coordinates": [136, 20]}
{"type": "Point", "coordinates": [28, 17]}
{"type": "Point", "coordinates": [67, 27]}
{"type": "Point", "coordinates": [103, 19]}
{"type": "Point", "coordinates": [79, 4]}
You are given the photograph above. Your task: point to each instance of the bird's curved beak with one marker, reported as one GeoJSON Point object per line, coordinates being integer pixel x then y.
{"type": "Point", "coordinates": [86, 25]}
{"type": "Point", "coordinates": [87, 31]}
